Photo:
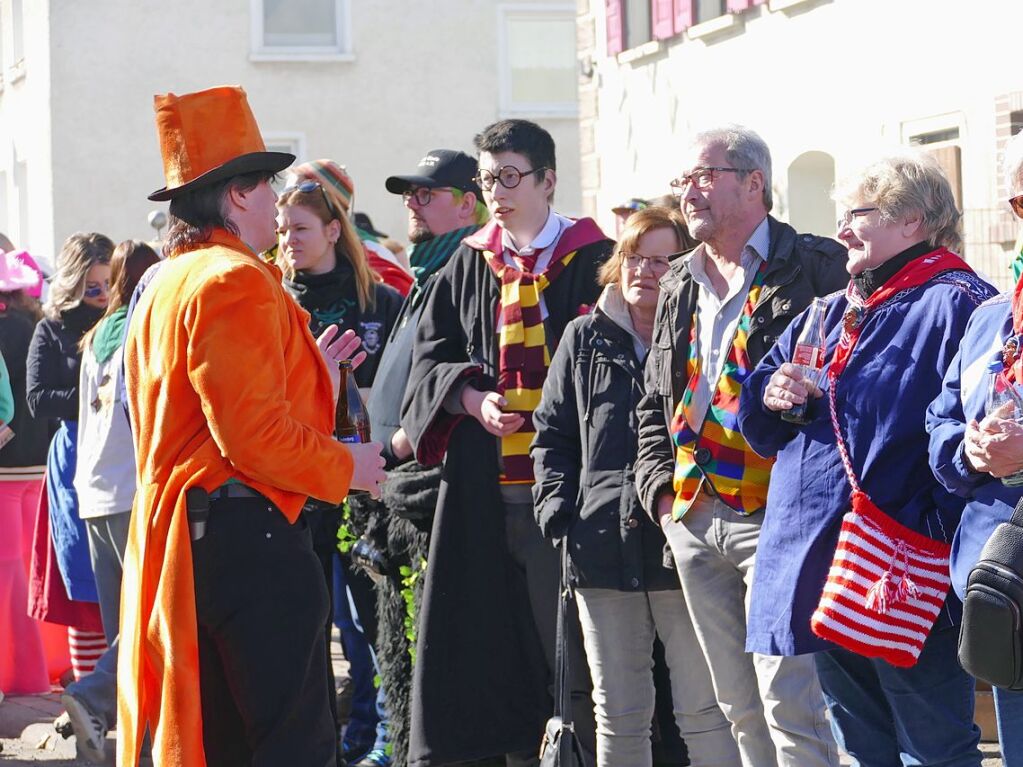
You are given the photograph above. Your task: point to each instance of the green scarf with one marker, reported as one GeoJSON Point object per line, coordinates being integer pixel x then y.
{"type": "Point", "coordinates": [109, 334]}
{"type": "Point", "coordinates": [429, 256]}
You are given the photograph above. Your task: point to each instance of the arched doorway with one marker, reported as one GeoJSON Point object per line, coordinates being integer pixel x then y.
{"type": "Point", "coordinates": [811, 179]}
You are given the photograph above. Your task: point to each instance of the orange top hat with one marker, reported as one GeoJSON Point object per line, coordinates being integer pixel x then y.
{"type": "Point", "coordinates": [209, 136]}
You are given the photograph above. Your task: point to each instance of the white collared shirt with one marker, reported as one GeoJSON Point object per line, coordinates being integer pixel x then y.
{"type": "Point", "coordinates": [542, 246]}
{"type": "Point", "coordinates": [718, 317]}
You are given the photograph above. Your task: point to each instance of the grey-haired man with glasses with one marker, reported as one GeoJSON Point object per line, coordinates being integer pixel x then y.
{"type": "Point", "coordinates": [721, 309]}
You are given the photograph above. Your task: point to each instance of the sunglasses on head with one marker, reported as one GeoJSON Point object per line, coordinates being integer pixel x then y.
{"type": "Point", "coordinates": [309, 186]}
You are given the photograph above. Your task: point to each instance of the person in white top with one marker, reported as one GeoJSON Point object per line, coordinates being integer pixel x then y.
{"type": "Point", "coordinates": [105, 483]}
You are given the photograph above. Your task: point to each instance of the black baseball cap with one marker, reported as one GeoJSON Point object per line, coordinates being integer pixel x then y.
{"type": "Point", "coordinates": [440, 167]}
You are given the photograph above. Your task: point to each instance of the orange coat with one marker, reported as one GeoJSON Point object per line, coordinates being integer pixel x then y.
{"type": "Point", "coordinates": [224, 380]}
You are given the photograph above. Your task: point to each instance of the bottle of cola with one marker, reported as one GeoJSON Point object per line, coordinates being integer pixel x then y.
{"type": "Point", "coordinates": [809, 357]}
{"type": "Point", "coordinates": [351, 419]}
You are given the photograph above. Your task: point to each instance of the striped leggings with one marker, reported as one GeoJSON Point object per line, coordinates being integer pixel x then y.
{"type": "Point", "coordinates": [86, 649]}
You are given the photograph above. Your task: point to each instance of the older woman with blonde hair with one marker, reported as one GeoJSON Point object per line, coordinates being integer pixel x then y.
{"type": "Point", "coordinates": [79, 293]}
{"type": "Point", "coordinates": [585, 497]}
{"type": "Point", "coordinates": [976, 449]}
{"type": "Point", "coordinates": [852, 563]}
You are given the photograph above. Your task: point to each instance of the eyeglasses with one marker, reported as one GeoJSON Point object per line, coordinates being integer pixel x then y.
{"type": "Point", "coordinates": [657, 264]}
{"type": "Point", "coordinates": [1016, 203]}
{"type": "Point", "coordinates": [95, 291]}
{"type": "Point", "coordinates": [701, 178]}
{"type": "Point", "coordinates": [422, 194]}
{"type": "Point", "coordinates": [509, 176]}
{"type": "Point", "coordinates": [308, 186]}
{"type": "Point", "coordinates": [849, 215]}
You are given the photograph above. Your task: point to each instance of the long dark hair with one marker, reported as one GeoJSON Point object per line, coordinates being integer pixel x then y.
{"type": "Point", "coordinates": [127, 265]}
{"type": "Point", "coordinates": [194, 215]}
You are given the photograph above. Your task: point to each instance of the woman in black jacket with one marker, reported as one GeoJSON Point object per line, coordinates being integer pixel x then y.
{"type": "Point", "coordinates": [78, 296]}
{"type": "Point", "coordinates": [326, 271]}
{"type": "Point", "coordinates": [585, 492]}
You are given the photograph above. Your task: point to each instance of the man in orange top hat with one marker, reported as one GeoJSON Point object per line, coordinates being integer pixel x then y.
{"type": "Point", "coordinates": [232, 399]}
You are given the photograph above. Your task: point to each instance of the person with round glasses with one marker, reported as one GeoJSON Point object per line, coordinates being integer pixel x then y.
{"type": "Point", "coordinates": [482, 351]}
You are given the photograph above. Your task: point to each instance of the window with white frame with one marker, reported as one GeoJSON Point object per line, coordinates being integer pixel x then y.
{"type": "Point", "coordinates": [537, 59]}
{"type": "Point", "coordinates": [282, 141]}
{"type": "Point", "coordinates": [301, 29]}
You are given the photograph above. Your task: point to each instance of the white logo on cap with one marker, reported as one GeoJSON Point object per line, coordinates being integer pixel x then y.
{"type": "Point", "coordinates": [430, 159]}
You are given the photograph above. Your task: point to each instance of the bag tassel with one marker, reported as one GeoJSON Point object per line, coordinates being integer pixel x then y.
{"type": "Point", "coordinates": [888, 591]}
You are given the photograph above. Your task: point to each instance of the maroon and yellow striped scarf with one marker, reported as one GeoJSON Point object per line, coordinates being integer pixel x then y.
{"type": "Point", "coordinates": [524, 354]}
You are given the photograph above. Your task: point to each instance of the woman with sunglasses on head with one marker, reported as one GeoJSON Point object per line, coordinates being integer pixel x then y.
{"type": "Point", "coordinates": [65, 589]}
{"type": "Point", "coordinates": [585, 491]}
{"type": "Point", "coordinates": [326, 271]}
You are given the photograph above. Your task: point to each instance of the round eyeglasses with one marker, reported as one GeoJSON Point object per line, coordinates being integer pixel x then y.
{"type": "Point", "coordinates": [509, 176]}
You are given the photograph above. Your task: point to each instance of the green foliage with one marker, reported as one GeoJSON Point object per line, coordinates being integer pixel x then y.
{"type": "Point", "coordinates": [345, 537]}
{"type": "Point", "coordinates": [410, 578]}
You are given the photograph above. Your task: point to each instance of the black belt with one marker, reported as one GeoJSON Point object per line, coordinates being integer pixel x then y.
{"type": "Point", "coordinates": [234, 490]}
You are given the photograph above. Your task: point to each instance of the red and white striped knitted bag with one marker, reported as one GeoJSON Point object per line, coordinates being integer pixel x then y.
{"type": "Point", "coordinates": [887, 583]}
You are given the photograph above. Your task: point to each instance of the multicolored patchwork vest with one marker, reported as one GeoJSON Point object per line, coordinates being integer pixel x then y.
{"type": "Point", "coordinates": [718, 454]}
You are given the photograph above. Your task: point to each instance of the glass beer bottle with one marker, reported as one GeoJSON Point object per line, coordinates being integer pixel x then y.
{"type": "Point", "coordinates": [351, 419]}
{"type": "Point", "coordinates": [809, 357]}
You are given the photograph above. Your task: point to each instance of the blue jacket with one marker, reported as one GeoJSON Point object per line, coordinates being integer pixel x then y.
{"type": "Point", "coordinates": [963, 397]}
{"type": "Point", "coordinates": [895, 372]}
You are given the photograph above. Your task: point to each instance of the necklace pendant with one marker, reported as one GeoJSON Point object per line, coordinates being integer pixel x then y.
{"type": "Point", "coordinates": [851, 318]}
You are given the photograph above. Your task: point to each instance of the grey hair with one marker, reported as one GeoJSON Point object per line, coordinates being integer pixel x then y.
{"type": "Point", "coordinates": [744, 149]}
{"type": "Point", "coordinates": [78, 253]}
{"type": "Point", "coordinates": [909, 183]}
{"type": "Point", "coordinates": [1012, 164]}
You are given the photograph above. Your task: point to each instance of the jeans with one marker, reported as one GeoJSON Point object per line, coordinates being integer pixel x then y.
{"type": "Point", "coordinates": [884, 716]}
{"type": "Point", "coordinates": [618, 631]}
{"type": "Point", "coordinates": [367, 724]}
{"type": "Point", "coordinates": [1009, 712]}
{"type": "Point", "coordinates": [774, 704]}
{"type": "Point", "coordinates": [108, 537]}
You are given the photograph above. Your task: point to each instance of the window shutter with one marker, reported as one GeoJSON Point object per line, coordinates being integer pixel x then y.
{"type": "Point", "coordinates": [683, 14]}
{"type": "Point", "coordinates": [662, 16]}
{"type": "Point", "coordinates": [737, 6]}
{"type": "Point", "coordinates": [615, 26]}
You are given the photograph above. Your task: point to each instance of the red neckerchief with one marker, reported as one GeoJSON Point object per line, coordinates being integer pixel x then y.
{"type": "Point", "coordinates": [915, 273]}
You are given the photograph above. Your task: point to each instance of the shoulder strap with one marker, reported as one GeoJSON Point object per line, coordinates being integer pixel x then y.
{"type": "Point", "coordinates": [562, 692]}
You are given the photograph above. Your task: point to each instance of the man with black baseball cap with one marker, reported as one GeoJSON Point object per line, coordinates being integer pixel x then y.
{"type": "Point", "coordinates": [444, 206]}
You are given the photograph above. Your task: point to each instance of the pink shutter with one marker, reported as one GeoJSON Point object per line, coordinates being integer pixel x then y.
{"type": "Point", "coordinates": [615, 27]}
{"type": "Point", "coordinates": [737, 6]}
{"type": "Point", "coordinates": [683, 14]}
{"type": "Point", "coordinates": [662, 15]}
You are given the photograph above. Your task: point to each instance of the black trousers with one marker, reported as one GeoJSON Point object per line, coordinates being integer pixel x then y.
{"type": "Point", "coordinates": [261, 605]}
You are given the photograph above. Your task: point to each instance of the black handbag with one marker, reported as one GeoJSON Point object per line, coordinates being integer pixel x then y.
{"type": "Point", "coordinates": [991, 637]}
{"type": "Point", "coordinates": [560, 746]}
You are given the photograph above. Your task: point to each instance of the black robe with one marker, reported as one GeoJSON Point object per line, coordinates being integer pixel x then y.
{"type": "Point", "coordinates": [479, 682]}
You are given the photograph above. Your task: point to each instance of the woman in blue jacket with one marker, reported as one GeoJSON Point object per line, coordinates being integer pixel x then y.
{"type": "Point", "coordinates": [899, 322]}
{"type": "Point", "coordinates": [971, 450]}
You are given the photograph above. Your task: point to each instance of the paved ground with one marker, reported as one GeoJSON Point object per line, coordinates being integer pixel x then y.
{"type": "Point", "coordinates": [27, 737]}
